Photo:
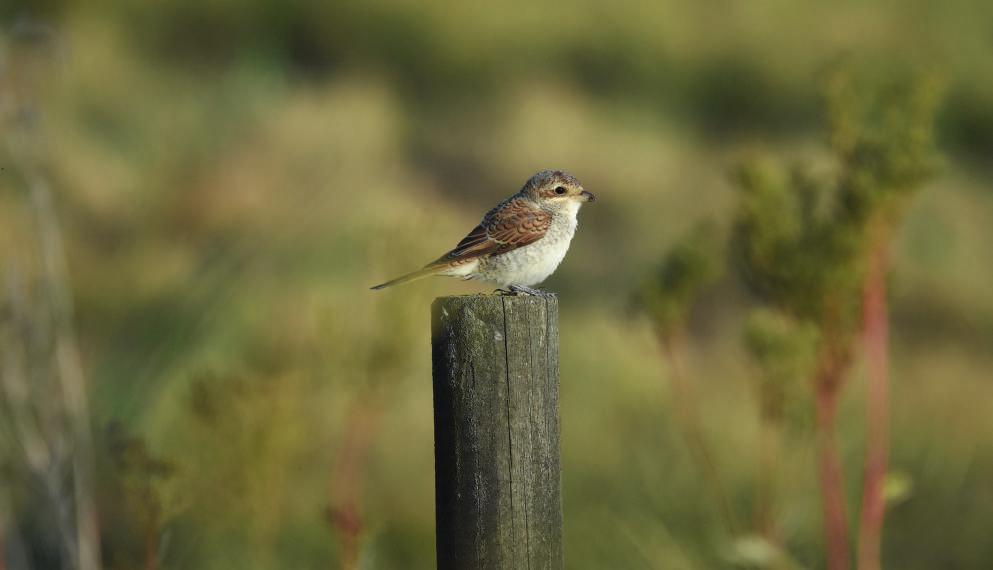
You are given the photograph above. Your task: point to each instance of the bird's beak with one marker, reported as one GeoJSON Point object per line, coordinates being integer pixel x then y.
{"type": "Point", "coordinates": [588, 196]}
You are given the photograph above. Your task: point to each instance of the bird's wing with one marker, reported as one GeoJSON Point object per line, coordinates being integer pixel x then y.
{"type": "Point", "coordinates": [513, 224]}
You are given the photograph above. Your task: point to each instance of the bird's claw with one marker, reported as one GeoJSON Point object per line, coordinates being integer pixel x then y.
{"type": "Point", "coordinates": [525, 290]}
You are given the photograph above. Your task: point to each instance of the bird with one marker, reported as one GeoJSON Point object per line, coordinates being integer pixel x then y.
{"type": "Point", "coordinates": [520, 242]}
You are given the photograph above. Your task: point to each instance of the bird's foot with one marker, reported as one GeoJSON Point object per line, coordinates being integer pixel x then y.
{"type": "Point", "coordinates": [525, 290]}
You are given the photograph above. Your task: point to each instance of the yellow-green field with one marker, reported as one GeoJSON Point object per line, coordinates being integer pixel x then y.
{"type": "Point", "coordinates": [231, 177]}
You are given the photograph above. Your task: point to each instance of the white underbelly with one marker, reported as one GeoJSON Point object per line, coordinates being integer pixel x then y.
{"type": "Point", "coordinates": [528, 265]}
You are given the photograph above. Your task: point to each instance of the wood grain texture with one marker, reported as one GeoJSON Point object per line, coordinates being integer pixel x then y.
{"type": "Point", "coordinates": [497, 473]}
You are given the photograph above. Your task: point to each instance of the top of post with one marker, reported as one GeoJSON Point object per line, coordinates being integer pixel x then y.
{"type": "Point", "coordinates": [496, 299]}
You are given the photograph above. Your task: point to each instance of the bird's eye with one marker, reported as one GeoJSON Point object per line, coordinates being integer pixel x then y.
{"type": "Point", "coordinates": [560, 190]}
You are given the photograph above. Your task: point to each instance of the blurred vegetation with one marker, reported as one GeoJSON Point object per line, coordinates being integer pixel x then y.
{"type": "Point", "coordinates": [811, 249]}
{"type": "Point", "coordinates": [230, 177]}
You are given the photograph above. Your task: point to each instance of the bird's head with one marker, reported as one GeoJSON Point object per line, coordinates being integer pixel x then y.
{"type": "Point", "coordinates": [556, 190]}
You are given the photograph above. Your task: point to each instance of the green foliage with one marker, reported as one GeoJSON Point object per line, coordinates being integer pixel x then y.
{"type": "Point", "coordinates": [783, 351]}
{"type": "Point", "coordinates": [689, 267]}
{"type": "Point", "coordinates": [780, 244]}
{"type": "Point", "coordinates": [884, 143]}
{"type": "Point", "coordinates": [800, 237]}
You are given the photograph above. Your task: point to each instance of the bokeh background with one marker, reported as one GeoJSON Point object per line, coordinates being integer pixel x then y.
{"type": "Point", "coordinates": [196, 195]}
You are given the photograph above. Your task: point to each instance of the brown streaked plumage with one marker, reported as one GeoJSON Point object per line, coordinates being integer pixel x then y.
{"type": "Point", "coordinates": [520, 241]}
{"type": "Point", "coordinates": [514, 223]}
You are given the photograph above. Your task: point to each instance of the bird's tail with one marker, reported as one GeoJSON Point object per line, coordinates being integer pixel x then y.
{"type": "Point", "coordinates": [412, 276]}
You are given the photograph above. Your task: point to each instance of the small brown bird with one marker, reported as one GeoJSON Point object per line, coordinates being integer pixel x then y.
{"type": "Point", "coordinates": [521, 241]}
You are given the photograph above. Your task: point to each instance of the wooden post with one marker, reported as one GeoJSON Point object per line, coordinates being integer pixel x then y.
{"type": "Point", "coordinates": [497, 476]}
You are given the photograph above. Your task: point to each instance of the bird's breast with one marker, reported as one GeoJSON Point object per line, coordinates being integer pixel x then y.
{"type": "Point", "coordinates": [533, 263]}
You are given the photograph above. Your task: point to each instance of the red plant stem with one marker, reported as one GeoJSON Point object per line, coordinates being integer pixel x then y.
{"type": "Point", "coordinates": [347, 483]}
{"type": "Point", "coordinates": [832, 481]}
{"type": "Point", "coordinates": [152, 547]}
{"type": "Point", "coordinates": [876, 345]}
{"type": "Point", "coordinates": [767, 488]}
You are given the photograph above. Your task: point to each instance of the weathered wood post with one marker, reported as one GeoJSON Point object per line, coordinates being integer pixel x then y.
{"type": "Point", "coordinates": [497, 477]}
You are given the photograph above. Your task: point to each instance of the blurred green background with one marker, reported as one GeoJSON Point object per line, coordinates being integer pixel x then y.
{"type": "Point", "coordinates": [229, 178]}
